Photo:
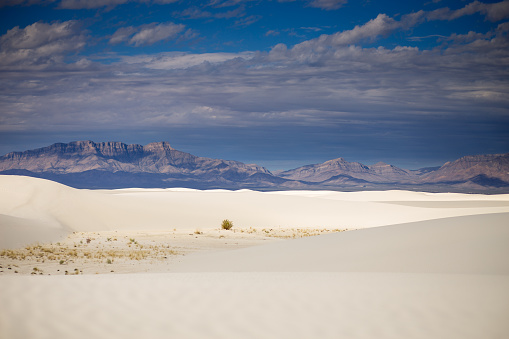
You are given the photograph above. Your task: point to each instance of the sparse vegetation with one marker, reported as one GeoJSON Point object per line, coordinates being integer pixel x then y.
{"type": "Point", "coordinates": [104, 249]}
{"type": "Point", "coordinates": [226, 224]}
{"type": "Point", "coordinates": [66, 254]}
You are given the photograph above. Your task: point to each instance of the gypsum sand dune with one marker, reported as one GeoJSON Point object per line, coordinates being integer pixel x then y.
{"type": "Point", "coordinates": [255, 305]}
{"type": "Point", "coordinates": [300, 304]}
{"type": "Point", "coordinates": [370, 302]}
{"type": "Point", "coordinates": [54, 206]}
{"type": "Point", "coordinates": [108, 252]}
{"type": "Point", "coordinates": [477, 244]}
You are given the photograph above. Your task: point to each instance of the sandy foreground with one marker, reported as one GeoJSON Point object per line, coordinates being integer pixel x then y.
{"type": "Point", "coordinates": [154, 263]}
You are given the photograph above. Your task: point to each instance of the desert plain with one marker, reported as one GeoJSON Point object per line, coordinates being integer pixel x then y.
{"type": "Point", "coordinates": [155, 263]}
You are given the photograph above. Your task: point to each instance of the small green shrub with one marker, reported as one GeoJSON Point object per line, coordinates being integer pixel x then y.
{"type": "Point", "coordinates": [226, 224]}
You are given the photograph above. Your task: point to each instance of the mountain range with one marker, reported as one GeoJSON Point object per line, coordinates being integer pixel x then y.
{"type": "Point", "coordinates": [85, 164]}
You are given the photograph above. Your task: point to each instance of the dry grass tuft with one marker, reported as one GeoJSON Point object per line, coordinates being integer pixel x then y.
{"type": "Point", "coordinates": [226, 224]}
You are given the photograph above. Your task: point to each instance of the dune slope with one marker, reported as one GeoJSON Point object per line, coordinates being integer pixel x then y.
{"type": "Point", "coordinates": [476, 244]}
{"type": "Point", "coordinates": [57, 207]}
{"type": "Point", "coordinates": [436, 269]}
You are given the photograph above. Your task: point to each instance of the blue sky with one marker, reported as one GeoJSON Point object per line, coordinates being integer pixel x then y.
{"type": "Point", "coordinates": [277, 83]}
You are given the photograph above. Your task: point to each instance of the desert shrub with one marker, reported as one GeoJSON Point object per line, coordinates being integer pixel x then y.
{"type": "Point", "coordinates": [226, 224]}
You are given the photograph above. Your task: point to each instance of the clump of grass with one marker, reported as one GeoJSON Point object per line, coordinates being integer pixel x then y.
{"type": "Point", "coordinates": [226, 224]}
{"type": "Point", "coordinates": [35, 270]}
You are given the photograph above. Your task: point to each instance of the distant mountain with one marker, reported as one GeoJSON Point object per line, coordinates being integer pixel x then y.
{"type": "Point", "coordinates": [85, 164]}
{"type": "Point", "coordinates": [378, 173]}
{"type": "Point", "coordinates": [115, 164]}
{"type": "Point", "coordinates": [470, 173]}
{"type": "Point", "coordinates": [491, 168]}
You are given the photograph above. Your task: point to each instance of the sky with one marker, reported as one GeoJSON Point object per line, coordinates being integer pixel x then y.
{"type": "Point", "coordinates": [279, 83]}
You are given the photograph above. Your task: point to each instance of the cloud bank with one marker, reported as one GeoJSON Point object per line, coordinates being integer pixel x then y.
{"type": "Point", "coordinates": [343, 85]}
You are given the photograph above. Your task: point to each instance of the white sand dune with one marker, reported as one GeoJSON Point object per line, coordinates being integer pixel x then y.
{"type": "Point", "coordinates": [476, 244]}
{"type": "Point", "coordinates": [62, 207]}
{"type": "Point", "coordinates": [17, 232]}
{"type": "Point", "coordinates": [255, 305]}
{"type": "Point", "coordinates": [437, 269]}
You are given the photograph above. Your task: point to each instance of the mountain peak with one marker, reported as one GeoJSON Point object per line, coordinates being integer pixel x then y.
{"type": "Point", "coordinates": [115, 164]}
{"type": "Point", "coordinates": [335, 161]}
{"type": "Point", "coordinates": [381, 164]}
{"type": "Point", "coordinates": [158, 146]}
{"type": "Point", "coordinates": [103, 163]}
{"type": "Point", "coordinates": [470, 166]}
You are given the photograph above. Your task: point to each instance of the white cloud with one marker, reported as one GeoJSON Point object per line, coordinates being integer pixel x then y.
{"type": "Point", "coordinates": [503, 27]}
{"type": "Point", "coordinates": [226, 3]}
{"type": "Point", "coordinates": [493, 11]}
{"type": "Point", "coordinates": [152, 33]}
{"type": "Point", "coordinates": [382, 25]}
{"type": "Point", "coordinates": [147, 34]}
{"type": "Point", "coordinates": [323, 4]}
{"type": "Point", "coordinates": [196, 13]}
{"type": "Point", "coordinates": [271, 33]}
{"type": "Point", "coordinates": [469, 37]}
{"type": "Point", "coordinates": [40, 43]}
{"type": "Point", "coordinates": [249, 20]}
{"type": "Point", "coordinates": [314, 29]}
{"type": "Point", "coordinates": [122, 34]}
{"type": "Point", "coordinates": [327, 4]}
{"type": "Point", "coordinates": [90, 4]}
{"type": "Point", "coordinates": [168, 61]}
{"type": "Point", "coordinates": [4, 3]}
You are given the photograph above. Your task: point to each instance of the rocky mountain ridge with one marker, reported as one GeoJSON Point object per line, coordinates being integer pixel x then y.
{"type": "Point", "coordinates": [495, 166]}
{"type": "Point", "coordinates": [377, 173]}
{"type": "Point", "coordinates": [85, 164]}
{"type": "Point", "coordinates": [81, 156]}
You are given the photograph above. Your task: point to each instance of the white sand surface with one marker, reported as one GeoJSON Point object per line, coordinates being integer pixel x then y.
{"type": "Point", "coordinates": [437, 269]}
{"type": "Point", "coordinates": [255, 305]}
{"type": "Point", "coordinates": [17, 232]}
{"type": "Point", "coordinates": [476, 244]}
{"type": "Point", "coordinates": [65, 208]}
